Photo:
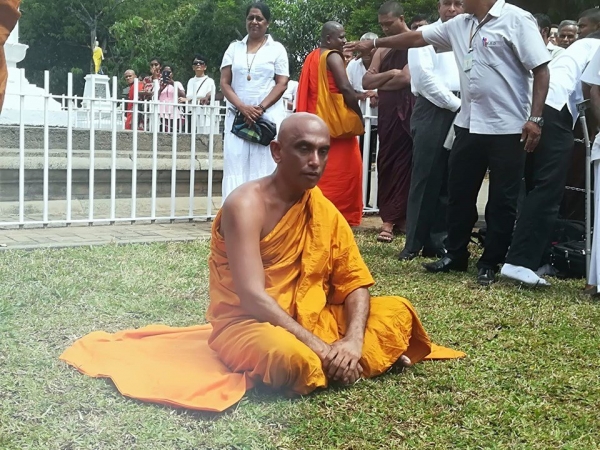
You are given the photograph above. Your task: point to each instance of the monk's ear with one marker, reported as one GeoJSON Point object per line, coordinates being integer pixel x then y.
{"type": "Point", "coordinates": [276, 151]}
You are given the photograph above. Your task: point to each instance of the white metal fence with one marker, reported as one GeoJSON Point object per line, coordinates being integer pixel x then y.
{"type": "Point", "coordinates": [72, 174]}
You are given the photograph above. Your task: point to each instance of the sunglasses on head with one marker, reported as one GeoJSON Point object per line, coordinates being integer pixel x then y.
{"type": "Point", "coordinates": [198, 63]}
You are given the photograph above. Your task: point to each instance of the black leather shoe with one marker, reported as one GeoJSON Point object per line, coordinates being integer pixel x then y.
{"type": "Point", "coordinates": [485, 277]}
{"type": "Point", "coordinates": [405, 255]}
{"type": "Point", "coordinates": [433, 253]}
{"type": "Point", "coordinates": [447, 264]}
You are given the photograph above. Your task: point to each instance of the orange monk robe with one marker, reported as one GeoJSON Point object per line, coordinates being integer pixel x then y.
{"type": "Point", "coordinates": [9, 15]}
{"type": "Point", "coordinates": [311, 264]}
{"type": "Point", "coordinates": [342, 180]}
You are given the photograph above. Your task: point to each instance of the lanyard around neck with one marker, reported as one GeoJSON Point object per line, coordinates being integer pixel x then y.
{"type": "Point", "coordinates": [485, 20]}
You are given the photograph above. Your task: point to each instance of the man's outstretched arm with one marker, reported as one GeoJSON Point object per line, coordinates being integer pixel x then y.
{"type": "Point", "coordinates": [241, 224]}
{"type": "Point", "coordinates": [410, 39]}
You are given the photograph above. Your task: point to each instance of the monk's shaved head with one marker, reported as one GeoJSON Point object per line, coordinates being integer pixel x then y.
{"type": "Point", "coordinates": [299, 124]}
{"type": "Point", "coordinates": [130, 76]}
{"type": "Point", "coordinates": [301, 150]}
{"type": "Point", "coordinates": [333, 36]}
{"type": "Point", "coordinates": [331, 28]}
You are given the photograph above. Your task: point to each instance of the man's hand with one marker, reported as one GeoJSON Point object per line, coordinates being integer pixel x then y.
{"type": "Point", "coordinates": [342, 362]}
{"type": "Point", "coordinates": [531, 135]}
{"type": "Point", "coordinates": [359, 46]}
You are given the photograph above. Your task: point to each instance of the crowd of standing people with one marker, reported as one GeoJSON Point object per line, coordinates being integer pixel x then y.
{"type": "Point", "coordinates": [486, 90]}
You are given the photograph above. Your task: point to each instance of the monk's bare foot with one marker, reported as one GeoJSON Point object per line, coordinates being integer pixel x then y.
{"type": "Point", "coordinates": [404, 361]}
{"type": "Point", "coordinates": [401, 363]}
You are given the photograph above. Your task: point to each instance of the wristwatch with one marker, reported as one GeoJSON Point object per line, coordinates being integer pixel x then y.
{"type": "Point", "coordinates": [537, 120]}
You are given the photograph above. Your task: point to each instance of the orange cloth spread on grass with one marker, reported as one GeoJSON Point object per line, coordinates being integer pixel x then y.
{"type": "Point", "coordinates": [311, 264]}
{"type": "Point", "coordinates": [9, 15]}
{"type": "Point", "coordinates": [342, 180]}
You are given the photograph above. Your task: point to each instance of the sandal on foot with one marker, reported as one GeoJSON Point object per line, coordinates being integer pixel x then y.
{"type": "Point", "coordinates": [385, 236]}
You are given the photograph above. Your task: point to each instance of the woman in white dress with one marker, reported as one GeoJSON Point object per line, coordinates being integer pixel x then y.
{"type": "Point", "coordinates": [199, 89]}
{"type": "Point", "coordinates": [254, 76]}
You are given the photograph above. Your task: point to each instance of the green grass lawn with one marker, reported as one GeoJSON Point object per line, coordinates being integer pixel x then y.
{"type": "Point", "coordinates": [531, 378]}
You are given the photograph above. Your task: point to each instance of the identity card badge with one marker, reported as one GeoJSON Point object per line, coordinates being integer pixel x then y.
{"type": "Point", "coordinates": [468, 62]}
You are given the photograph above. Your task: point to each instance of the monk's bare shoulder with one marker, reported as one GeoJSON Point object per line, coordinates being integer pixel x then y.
{"type": "Point", "coordinates": [244, 210]}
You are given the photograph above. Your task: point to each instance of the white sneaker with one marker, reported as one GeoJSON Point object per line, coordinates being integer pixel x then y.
{"type": "Point", "coordinates": [522, 275]}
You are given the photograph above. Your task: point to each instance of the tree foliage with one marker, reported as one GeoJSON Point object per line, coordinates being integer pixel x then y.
{"type": "Point", "coordinates": [60, 33]}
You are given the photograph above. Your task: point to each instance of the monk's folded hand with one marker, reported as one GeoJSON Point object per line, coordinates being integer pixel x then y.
{"type": "Point", "coordinates": [345, 366]}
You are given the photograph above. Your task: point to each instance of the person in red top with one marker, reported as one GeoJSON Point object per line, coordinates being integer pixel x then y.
{"type": "Point", "coordinates": [342, 180]}
{"type": "Point", "coordinates": [131, 78]}
{"type": "Point", "coordinates": [9, 15]}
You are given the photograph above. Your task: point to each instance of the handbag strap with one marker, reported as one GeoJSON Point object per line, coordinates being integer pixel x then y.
{"type": "Point", "coordinates": [200, 87]}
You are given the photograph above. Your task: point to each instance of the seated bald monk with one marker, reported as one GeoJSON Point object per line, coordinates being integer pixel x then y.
{"type": "Point", "coordinates": [289, 300]}
{"type": "Point", "coordinates": [289, 289]}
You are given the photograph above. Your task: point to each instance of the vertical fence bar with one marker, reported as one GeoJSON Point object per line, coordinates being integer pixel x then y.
{"type": "Point", "coordinates": [173, 174]}
{"type": "Point", "coordinates": [69, 146]}
{"type": "Point", "coordinates": [46, 146]}
{"type": "Point", "coordinates": [376, 175]}
{"type": "Point", "coordinates": [21, 148]}
{"type": "Point", "coordinates": [211, 144]}
{"type": "Point", "coordinates": [192, 162]}
{"type": "Point", "coordinates": [155, 151]}
{"type": "Point", "coordinates": [134, 150]}
{"type": "Point", "coordinates": [113, 149]}
{"type": "Point", "coordinates": [366, 152]}
{"type": "Point", "coordinates": [92, 100]}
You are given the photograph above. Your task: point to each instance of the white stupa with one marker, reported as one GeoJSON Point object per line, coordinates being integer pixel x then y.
{"type": "Point", "coordinates": [33, 113]}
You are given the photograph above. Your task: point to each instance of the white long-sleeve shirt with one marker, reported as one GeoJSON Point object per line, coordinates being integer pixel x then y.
{"type": "Point", "coordinates": [434, 75]}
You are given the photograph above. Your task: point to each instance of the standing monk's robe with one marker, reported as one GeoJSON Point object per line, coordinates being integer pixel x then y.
{"type": "Point", "coordinates": [342, 180]}
{"type": "Point", "coordinates": [9, 15]}
{"type": "Point", "coordinates": [394, 161]}
{"type": "Point", "coordinates": [130, 106]}
{"type": "Point", "coordinates": [311, 264]}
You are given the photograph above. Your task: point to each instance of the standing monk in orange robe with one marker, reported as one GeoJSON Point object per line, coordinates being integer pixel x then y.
{"type": "Point", "coordinates": [289, 300]}
{"type": "Point", "coordinates": [9, 15]}
{"type": "Point", "coordinates": [342, 181]}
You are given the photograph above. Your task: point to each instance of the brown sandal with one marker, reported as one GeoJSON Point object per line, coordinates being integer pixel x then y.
{"type": "Point", "coordinates": [385, 236]}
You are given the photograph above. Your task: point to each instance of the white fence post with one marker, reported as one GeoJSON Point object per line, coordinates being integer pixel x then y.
{"type": "Point", "coordinates": [46, 146]}
{"type": "Point", "coordinates": [69, 147]}
{"type": "Point", "coordinates": [113, 148]}
{"type": "Point", "coordinates": [21, 149]}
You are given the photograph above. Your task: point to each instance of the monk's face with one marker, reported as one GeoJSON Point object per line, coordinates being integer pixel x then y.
{"type": "Point", "coordinates": [301, 150]}
{"type": "Point", "coordinates": [129, 76]}
{"type": "Point", "coordinates": [337, 40]}
{"type": "Point", "coordinates": [391, 25]}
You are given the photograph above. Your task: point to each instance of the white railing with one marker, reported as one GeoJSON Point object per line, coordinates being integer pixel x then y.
{"type": "Point", "coordinates": [97, 176]}
{"type": "Point", "coordinates": [119, 161]}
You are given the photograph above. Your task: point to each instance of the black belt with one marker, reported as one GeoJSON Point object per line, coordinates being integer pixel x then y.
{"type": "Point", "coordinates": [457, 93]}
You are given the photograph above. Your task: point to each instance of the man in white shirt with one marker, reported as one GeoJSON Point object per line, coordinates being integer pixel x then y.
{"type": "Point", "coordinates": [589, 22]}
{"type": "Point", "coordinates": [289, 96]}
{"type": "Point", "coordinates": [546, 168]}
{"type": "Point", "coordinates": [499, 52]}
{"type": "Point", "coordinates": [567, 33]}
{"type": "Point", "coordinates": [435, 82]}
{"type": "Point", "coordinates": [356, 70]}
{"type": "Point", "coordinates": [591, 77]}
{"type": "Point", "coordinates": [544, 25]}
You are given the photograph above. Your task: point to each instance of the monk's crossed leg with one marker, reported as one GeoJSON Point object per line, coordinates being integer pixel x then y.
{"type": "Point", "coordinates": [271, 355]}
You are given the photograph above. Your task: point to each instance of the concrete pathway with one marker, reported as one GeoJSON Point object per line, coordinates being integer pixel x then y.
{"type": "Point", "coordinates": [77, 236]}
